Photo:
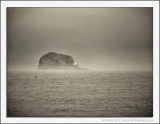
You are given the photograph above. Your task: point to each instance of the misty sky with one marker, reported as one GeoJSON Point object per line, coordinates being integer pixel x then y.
{"type": "Point", "coordinates": [97, 38]}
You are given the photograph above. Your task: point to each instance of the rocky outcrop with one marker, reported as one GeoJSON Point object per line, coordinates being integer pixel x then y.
{"type": "Point", "coordinates": [56, 61]}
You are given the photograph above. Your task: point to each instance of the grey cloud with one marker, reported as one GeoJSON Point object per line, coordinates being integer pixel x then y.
{"type": "Point", "coordinates": [98, 38]}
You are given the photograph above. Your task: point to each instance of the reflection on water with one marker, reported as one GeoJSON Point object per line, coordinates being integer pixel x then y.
{"type": "Point", "coordinates": [79, 94]}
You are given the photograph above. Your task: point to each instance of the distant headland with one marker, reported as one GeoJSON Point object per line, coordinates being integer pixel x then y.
{"type": "Point", "coordinates": [56, 61]}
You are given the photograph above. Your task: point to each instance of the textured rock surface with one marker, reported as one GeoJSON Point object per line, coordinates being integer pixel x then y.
{"type": "Point", "coordinates": [55, 61]}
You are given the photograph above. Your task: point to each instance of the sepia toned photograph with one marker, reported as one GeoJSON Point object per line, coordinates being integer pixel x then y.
{"type": "Point", "coordinates": [80, 62]}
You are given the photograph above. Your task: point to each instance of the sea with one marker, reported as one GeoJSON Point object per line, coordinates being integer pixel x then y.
{"type": "Point", "coordinates": [81, 93]}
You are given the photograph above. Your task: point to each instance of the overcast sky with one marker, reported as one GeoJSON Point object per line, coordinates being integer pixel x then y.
{"type": "Point", "coordinates": [96, 38]}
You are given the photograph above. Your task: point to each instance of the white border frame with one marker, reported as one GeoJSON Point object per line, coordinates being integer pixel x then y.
{"type": "Point", "coordinates": [154, 4]}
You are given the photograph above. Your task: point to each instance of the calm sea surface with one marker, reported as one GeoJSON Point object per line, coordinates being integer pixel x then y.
{"type": "Point", "coordinates": [79, 94]}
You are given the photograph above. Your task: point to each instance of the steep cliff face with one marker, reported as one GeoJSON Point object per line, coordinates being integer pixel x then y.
{"type": "Point", "coordinates": [55, 61]}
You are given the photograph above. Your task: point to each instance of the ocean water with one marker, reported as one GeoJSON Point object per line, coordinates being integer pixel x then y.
{"type": "Point", "coordinates": [79, 94]}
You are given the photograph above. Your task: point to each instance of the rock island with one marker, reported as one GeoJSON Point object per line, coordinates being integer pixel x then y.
{"type": "Point", "coordinates": [56, 61]}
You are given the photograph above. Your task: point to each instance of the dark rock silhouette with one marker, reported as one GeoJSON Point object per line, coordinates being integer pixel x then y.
{"type": "Point", "coordinates": [55, 61]}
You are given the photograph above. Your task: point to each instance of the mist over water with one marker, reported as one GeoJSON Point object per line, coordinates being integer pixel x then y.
{"type": "Point", "coordinates": [115, 44]}
{"type": "Point", "coordinates": [79, 94]}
